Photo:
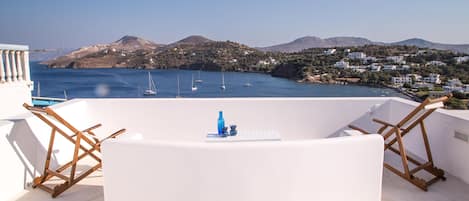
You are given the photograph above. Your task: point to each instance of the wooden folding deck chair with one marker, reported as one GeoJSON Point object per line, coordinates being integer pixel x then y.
{"type": "Point", "coordinates": [93, 145]}
{"type": "Point", "coordinates": [394, 133]}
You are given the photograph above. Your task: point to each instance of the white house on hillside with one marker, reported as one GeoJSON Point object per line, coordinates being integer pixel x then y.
{"type": "Point", "coordinates": [401, 80]}
{"type": "Point", "coordinates": [461, 59]}
{"type": "Point", "coordinates": [396, 59]}
{"type": "Point", "coordinates": [356, 55]}
{"type": "Point", "coordinates": [330, 51]}
{"type": "Point", "coordinates": [436, 63]}
{"type": "Point", "coordinates": [342, 64]}
{"type": "Point", "coordinates": [432, 78]}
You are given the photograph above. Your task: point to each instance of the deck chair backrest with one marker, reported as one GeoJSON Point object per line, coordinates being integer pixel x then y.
{"type": "Point", "coordinates": [421, 112]}
{"type": "Point", "coordinates": [54, 120]}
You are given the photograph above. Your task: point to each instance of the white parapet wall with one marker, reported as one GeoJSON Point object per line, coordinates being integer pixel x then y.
{"type": "Point", "coordinates": [333, 169]}
{"type": "Point", "coordinates": [15, 81]}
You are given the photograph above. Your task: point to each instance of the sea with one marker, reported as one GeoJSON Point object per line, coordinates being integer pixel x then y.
{"type": "Point", "coordinates": [131, 83]}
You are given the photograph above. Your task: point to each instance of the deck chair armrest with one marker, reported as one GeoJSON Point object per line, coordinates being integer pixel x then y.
{"type": "Point", "coordinates": [114, 135]}
{"type": "Point", "coordinates": [383, 122]}
{"type": "Point", "coordinates": [92, 128]}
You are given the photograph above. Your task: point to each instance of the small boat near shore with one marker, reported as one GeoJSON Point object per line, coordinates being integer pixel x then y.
{"type": "Point", "coordinates": [151, 90]}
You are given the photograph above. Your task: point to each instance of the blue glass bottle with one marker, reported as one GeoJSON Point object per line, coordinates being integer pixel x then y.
{"type": "Point", "coordinates": [221, 124]}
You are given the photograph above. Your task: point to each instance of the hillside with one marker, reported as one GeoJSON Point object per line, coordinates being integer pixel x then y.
{"type": "Point", "coordinates": [110, 53]}
{"type": "Point", "coordinates": [193, 52]}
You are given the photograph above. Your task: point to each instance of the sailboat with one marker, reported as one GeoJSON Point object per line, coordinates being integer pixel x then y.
{"type": "Point", "coordinates": [199, 80]}
{"type": "Point", "coordinates": [194, 88]}
{"type": "Point", "coordinates": [151, 91]}
{"type": "Point", "coordinates": [222, 86]}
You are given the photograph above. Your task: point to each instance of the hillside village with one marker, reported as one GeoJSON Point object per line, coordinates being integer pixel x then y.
{"type": "Point", "coordinates": [416, 72]}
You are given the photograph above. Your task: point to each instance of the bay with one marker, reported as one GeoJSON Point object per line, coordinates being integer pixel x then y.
{"type": "Point", "coordinates": [131, 83]}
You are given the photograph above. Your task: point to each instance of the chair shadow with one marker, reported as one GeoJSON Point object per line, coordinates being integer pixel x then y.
{"type": "Point", "coordinates": [28, 148]}
{"type": "Point", "coordinates": [88, 189]}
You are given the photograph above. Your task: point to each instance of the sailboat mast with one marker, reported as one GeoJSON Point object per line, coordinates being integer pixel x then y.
{"type": "Point", "coordinates": [223, 78]}
{"type": "Point", "coordinates": [38, 89]}
{"type": "Point", "coordinates": [178, 85]}
{"type": "Point", "coordinates": [149, 81]}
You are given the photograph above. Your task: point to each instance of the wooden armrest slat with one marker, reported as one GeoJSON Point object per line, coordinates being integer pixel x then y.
{"type": "Point", "coordinates": [92, 128]}
{"type": "Point", "coordinates": [383, 122]}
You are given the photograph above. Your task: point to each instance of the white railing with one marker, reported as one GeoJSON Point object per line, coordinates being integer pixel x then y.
{"type": "Point", "coordinates": [14, 64]}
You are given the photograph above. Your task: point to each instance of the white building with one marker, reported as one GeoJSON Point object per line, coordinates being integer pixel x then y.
{"type": "Point", "coordinates": [330, 51]}
{"type": "Point", "coordinates": [432, 78]}
{"type": "Point", "coordinates": [374, 67]}
{"type": "Point", "coordinates": [396, 59]}
{"type": "Point", "coordinates": [401, 80]}
{"type": "Point", "coordinates": [356, 55]}
{"type": "Point", "coordinates": [461, 59]}
{"type": "Point", "coordinates": [389, 67]}
{"type": "Point", "coordinates": [342, 64]}
{"type": "Point", "coordinates": [436, 63]}
{"type": "Point", "coordinates": [454, 85]}
{"type": "Point", "coordinates": [404, 67]}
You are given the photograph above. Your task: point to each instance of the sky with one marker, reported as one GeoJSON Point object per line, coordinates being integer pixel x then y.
{"type": "Point", "coordinates": [257, 23]}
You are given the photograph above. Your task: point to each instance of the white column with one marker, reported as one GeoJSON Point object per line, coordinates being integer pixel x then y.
{"type": "Point", "coordinates": [14, 73]}
{"type": "Point", "coordinates": [7, 66]}
{"type": "Point", "coordinates": [27, 76]}
{"type": "Point", "coordinates": [19, 65]}
{"type": "Point", "coordinates": [2, 69]}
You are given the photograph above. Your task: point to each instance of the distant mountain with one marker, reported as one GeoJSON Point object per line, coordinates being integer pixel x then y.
{"type": "Point", "coordinates": [464, 48]}
{"type": "Point", "coordinates": [315, 42]}
{"type": "Point", "coordinates": [47, 54]}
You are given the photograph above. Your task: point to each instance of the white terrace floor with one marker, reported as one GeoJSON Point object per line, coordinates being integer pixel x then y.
{"type": "Point", "coordinates": [394, 189]}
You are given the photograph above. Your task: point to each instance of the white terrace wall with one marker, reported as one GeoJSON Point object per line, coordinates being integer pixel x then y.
{"type": "Point", "coordinates": [15, 82]}
{"type": "Point", "coordinates": [192, 119]}
{"type": "Point", "coordinates": [334, 169]}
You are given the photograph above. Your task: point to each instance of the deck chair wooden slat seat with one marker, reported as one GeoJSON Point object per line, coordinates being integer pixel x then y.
{"type": "Point", "coordinates": [85, 143]}
{"type": "Point", "coordinates": [393, 136]}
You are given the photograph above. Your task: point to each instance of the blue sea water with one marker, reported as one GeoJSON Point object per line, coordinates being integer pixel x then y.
{"type": "Point", "coordinates": [131, 83]}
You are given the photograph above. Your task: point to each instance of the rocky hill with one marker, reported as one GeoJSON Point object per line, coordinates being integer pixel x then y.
{"type": "Point", "coordinates": [102, 55]}
{"type": "Point", "coordinates": [315, 42]}
{"type": "Point", "coordinates": [193, 52]}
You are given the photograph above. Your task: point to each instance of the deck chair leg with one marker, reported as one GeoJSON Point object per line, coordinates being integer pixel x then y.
{"type": "Point", "coordinates": [427, 144]}
{"type": "Point", "coordinates": [432, 169]}
{"type": "Point", "coordinates": [75, 158]}
{"type": "Point", "coordinates": [403, 154]}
